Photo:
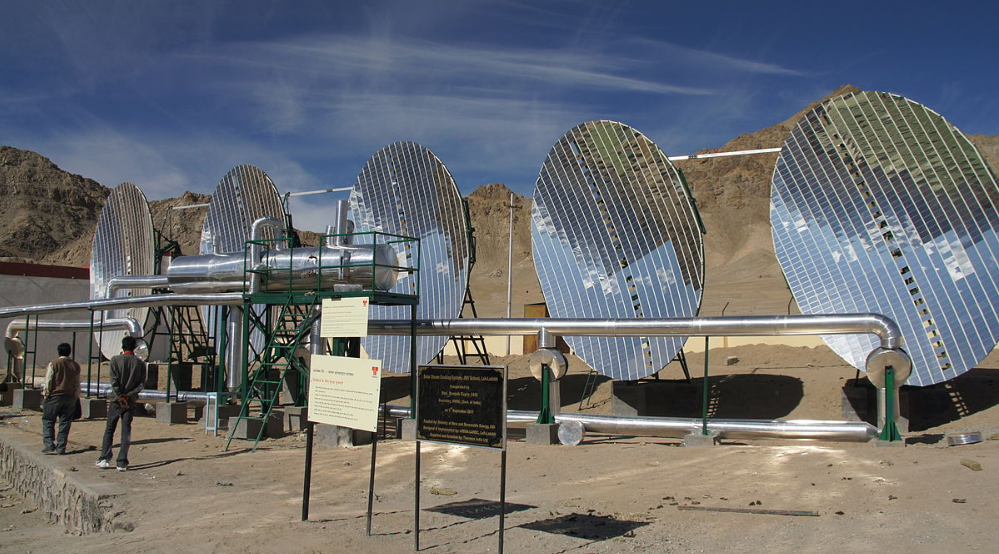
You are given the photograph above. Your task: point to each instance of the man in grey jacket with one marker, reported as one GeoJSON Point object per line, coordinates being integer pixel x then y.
{"type": "Point", "coordinates": [128, 374]}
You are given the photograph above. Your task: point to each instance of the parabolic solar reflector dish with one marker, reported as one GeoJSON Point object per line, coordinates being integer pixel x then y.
{"type": "Point", "coordinates": [244, 195]}
{"type": "Point", "coordinates": [616, 235]}
{"type": "Point", "coordinates": [123, 246]}
{"type": "Point", "coordinates": [880, 205]}
{"type": "Point", "coordinates": [404, 189]}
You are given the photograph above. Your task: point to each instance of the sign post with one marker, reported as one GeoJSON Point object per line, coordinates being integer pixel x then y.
{"type": "Point", "coordinates": [463, 405]}
{"type": "Point", "coordinates": [345, 392]}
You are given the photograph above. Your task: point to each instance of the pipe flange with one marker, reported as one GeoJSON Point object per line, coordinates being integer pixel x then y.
{"type": "Point", "coordinates": [550, 357]}
{"type": "Point", "coordinates": [141, 349]}
{"type": "Point", "coordinates": [881, 358]}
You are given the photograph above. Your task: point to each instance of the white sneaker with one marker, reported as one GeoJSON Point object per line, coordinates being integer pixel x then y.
{"type": "Point", "coordinates": [122, 468]}
{"type": "Point", "coordinates": [103, 464]}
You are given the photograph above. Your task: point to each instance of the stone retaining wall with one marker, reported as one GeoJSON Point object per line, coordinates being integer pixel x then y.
{"type": "Point", "coordinates": [65, 497]}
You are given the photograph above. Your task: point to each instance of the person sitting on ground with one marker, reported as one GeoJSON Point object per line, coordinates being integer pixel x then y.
{"type": "Point", "coordinates": [62, 390]}
{"type": "Point", "coordinates": [128, 375]}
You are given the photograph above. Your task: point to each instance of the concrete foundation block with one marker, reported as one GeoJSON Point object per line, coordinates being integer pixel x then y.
{"type": "Point", "coordinates": [697, 439]}
{"type": "Point", "coordinates": [7, 396]}
{"type": "Point", "coordinates": [226, 411]}
{"type": "Point", "coordinates": [171, 412]}
{"type": "Point", "coordinates": [542, 433]}
{"type": "Point", "coordinates": [334, 436]}
{"type": "Point", "coordinates": [889, 444]}
{"type": "Point", "coordinates": [249, 428]}
{"type": "Point", "coordinates": [27, 399]}
{"type": "Point", "coordinates": [275, 425]}
{"type": "Point", "coordinates": [408, 427]}
{"type": "Point", "coordinates": [94, 408]}
{"type": "Point", "coordinates": [295, 418]}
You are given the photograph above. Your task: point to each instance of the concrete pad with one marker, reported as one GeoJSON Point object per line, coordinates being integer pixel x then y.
{"type": "Point", "coordinates": [249, 428]}
{"type": "Point", "coordinates": [27, 399]}
{"type": "Point", "coordinates": [171, 412]}
{"type": "Point", "coordinates": [226, 411]}
{"type": "Point", "coordinates": [7, 397]}
{"type": "Point", "coordinates": [542, 433]}
{"type": "Point", "coordinates": [94, 408]}
{"type": "Point", "coordinates": [697, 439]}
{"type": "Point", "coordinates": [295, 418]}
{"type": "Point", "coordinates": [889, 444]}
{"type": "Point", "coordinates": [408, 428]}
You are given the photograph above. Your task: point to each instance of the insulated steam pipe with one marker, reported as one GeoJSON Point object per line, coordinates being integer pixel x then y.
{"type": "Point", "coordinates": [103, 388]}
{"type": "Point", "coordinates": [876, 324]}
{"type": "Point", "coordinates": [129, 324]}
{"type": "Point", "coordinates": [228, 299]}
{"type": "Point", "coordinates": [257, 249]}
{"type": "Point", "coordinates": [841, 431]}
{"type": "Point", "coordinates": [135, 282]}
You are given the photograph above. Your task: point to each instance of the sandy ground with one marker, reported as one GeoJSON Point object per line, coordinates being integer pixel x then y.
{"type": "Point", "coordinates": [609, 494]}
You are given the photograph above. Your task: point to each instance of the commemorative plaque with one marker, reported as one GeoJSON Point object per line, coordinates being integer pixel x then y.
{"type": "Point", "coordinates": [463, 405]}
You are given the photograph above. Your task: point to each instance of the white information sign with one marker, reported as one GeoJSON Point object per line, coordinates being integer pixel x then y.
{"type": "Point", "coordinates": [344, 317]}
{"type": "Point", "coordinates": [345, 391]}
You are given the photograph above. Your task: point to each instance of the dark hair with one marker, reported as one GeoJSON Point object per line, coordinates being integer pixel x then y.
{"type": "Point", "coordinates": [128, 343]}
{"type": "Point", "coordinates": [64, 349]}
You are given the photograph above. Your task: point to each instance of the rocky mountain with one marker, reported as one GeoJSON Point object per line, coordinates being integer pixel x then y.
{"type": "Point", "coordinates": [48, 216]}
{"type": "Point", "coordinates": [43, 209]}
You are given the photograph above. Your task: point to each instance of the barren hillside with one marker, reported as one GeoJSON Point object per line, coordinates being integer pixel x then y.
{"type": "Point", "coordinates": [43, 209]}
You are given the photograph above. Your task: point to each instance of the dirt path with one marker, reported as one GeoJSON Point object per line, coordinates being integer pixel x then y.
{"type": "Point", "coordinates": [610, 494]}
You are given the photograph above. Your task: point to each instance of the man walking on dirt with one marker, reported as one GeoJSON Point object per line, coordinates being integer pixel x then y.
{"type": "Point", "coordinates": [128, 374]}
{"type": "Point", "coordinates": [62, 390]}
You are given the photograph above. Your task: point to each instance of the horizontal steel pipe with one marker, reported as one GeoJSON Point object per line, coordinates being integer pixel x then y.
{"type": "Point", "coordinates": [134, 282]}
{"type": "Point", "coordinates": [231, 299]}
{"type": "Point", "coordinates": [840, 431]}
{"type": "Point", "coordinates": [116, 324]}
{"type": "Point", "coordinates": [103, 389]}
{"type": "Point", "coordinates": [836, 324]}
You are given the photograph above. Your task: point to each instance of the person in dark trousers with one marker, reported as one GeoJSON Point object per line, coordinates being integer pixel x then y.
{"type": "Point", "coordinates": [62, 390]}
{"type": "Point", "coordinates": [128, 374]}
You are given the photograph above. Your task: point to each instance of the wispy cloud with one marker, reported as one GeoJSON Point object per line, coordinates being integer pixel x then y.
{"type": "Point", "coordinates": [669, 53]}
{"type": "Point", "coordinates": [396, 61]}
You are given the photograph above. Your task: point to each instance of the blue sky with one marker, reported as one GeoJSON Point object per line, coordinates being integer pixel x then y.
{"type": "Point", "coordinates": [171, 95]}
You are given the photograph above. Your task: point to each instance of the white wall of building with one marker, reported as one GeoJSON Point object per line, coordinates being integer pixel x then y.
{"type": "Point", "coordinates": [23, 290]}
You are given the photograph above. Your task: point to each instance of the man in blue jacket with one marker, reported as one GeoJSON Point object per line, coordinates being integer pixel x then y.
{"type": "Point", "coordinates": [128, 374]}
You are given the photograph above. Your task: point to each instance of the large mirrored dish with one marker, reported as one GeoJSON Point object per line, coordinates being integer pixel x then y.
{"type": "Point", "coordinates": [880, 205]}
{"type": "Point", "coordinates": [123, 246]}
{"type": "Point", "coordinates": [244, 195]}
{"type": "Point", "coordinates": [404, 189]}
{"type": "Point", "coordinates": [616, 235]}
